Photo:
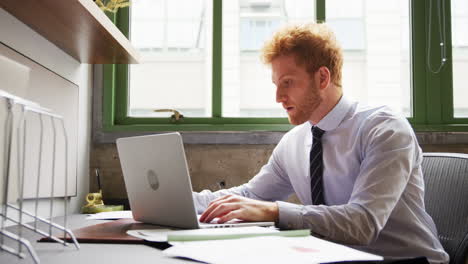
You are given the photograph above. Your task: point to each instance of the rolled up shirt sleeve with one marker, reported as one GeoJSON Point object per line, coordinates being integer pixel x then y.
{"type": "Point", "coordinates": [290, 215]}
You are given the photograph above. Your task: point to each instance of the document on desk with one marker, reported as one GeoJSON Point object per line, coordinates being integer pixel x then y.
{"type": "Point", "coordinates": [268, 249]}
{"type": "Point", "coordinates": [174, 236]}
{"type": "Point", "coordinates": [111, 215]}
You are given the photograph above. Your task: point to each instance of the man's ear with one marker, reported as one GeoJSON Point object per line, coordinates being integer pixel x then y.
{"type": "Point", "coordinates": [323, 75]}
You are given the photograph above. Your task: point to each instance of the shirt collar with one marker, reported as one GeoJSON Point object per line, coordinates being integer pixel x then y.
{"type": "Point", "coordinates": [333, 119]}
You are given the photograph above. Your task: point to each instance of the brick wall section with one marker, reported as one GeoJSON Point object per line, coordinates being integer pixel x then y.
{"type": "Point", "coordinates": [209, 165]}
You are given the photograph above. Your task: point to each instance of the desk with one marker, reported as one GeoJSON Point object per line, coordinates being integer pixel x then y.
{"type": "Point", "coordinates": [53, 253]}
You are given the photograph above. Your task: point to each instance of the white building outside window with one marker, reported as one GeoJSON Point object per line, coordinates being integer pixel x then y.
{"type": "Point", "coordinates": [175, 38]}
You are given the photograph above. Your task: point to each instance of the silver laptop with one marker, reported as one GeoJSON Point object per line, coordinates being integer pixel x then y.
{"type": "Point", "coordinates": [158, 183]}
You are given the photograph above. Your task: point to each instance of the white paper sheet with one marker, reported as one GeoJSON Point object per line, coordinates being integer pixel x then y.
{"type": "Point", "coordinates": [267, 250]}
{"type": "Point", "coordinates": [160, 235]}
{"type": "Point", "coordinates": [156, 235]}
{"type": "Point", "coordinates": [111, 215]}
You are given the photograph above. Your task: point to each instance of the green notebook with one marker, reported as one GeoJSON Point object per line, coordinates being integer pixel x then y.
{"type": "Point", "coordinates": [175, 236]}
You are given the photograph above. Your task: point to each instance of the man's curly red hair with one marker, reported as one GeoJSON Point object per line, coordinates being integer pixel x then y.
{"type": "Point", "coordinates": [313, 45]}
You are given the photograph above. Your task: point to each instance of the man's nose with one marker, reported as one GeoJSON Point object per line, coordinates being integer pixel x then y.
{"type": "Point", "coordinates": [280, 96]}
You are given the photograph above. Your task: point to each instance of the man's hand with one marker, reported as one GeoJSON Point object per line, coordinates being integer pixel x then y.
{"type": "Point", "coordinates": [233, 206]}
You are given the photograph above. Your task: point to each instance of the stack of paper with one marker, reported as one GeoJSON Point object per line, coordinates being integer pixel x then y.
{"type": "Point", "coordinates": [268, 249]}
{"type": "Point", "coordinates": [110, 215]}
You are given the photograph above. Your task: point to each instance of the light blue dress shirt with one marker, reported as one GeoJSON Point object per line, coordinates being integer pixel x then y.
{"type": "Point", "coordinates": [373, 184]}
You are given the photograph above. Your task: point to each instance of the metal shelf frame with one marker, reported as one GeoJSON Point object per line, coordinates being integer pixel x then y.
{"type": "Point", "coordinates": [15, 213]}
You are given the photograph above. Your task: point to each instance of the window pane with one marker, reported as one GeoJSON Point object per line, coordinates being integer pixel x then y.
{"type": "Point", "coordinates": [350, 31]}
{"type": "Point", "coordinates": [247, 87]}
{"type": "Point", "coordinates": [460, 56]}
{"type": "Point", "coordinates": [374, 35]}
{"type": "Point", "coordinates": [174, 40]}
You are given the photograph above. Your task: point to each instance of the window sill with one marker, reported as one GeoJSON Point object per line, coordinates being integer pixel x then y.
{"type": "Point", "coordinates": [267, 137]}
{"type": "Point", "coordinates": [439, 135]}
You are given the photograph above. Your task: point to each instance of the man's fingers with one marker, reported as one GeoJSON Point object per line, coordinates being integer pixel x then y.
{"type": "Point", "coordinates": [229, 216]}
{"type": "Point", "coordinates": [221, 210]}
{"type": "Point", "coordinates": [215, 203]}
{"type": "Point", "coordinates": [218, 210]}
{"type": "Point", "coordinates": [210, 208]}
{"type": "Point", "coordinates": [206, 213]}
{"type": "Point", "coordinates": [242, 208]}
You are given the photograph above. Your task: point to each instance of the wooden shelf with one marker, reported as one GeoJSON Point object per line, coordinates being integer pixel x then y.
{"type": "Point", "coordinates": [78, 27]}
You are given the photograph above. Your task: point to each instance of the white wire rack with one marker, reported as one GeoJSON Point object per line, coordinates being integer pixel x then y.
{"type": "Point", "coordinates": [15, 212]}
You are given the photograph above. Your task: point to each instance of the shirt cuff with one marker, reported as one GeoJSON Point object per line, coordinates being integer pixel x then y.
{"type": "Point", "coordinates": [290, 216]}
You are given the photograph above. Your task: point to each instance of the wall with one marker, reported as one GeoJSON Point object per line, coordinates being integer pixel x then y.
{"type": "Point", "coordinates": [208, 164]}
{"type": "Point", "coordinates": [32, 45]}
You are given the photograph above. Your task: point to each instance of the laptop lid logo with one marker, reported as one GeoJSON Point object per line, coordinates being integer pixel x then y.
{"type": "Point", "coordinates": [153, 180]}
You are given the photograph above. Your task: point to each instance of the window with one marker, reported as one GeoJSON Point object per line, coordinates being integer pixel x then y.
{"type": "Point", "coordinates": [201, 57]}
{"type": "Point", "coordinates": [347, 19]}
{"type": "Point", "coordinates": [375, 39]}
{"type": "Point", "coordinates": [173, 39]}
{"type": "Point", "coordinates": [460, 57]}
{"type": "Point", "coordinates": [247, 87]}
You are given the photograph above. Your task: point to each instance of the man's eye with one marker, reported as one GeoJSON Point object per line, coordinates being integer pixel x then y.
{"type": "Point", "coordinates": [287, 83]}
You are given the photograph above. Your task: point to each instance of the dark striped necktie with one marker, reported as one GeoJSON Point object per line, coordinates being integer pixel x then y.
{"type": "Point", "coordinates": [316, 166]}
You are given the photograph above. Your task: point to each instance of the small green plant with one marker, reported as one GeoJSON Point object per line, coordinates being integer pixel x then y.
{"type": "Point", "coordinates": [112, 5]}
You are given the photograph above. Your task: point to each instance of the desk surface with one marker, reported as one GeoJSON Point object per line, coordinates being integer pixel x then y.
{"type": "Point", "coordinates": [52, 253]}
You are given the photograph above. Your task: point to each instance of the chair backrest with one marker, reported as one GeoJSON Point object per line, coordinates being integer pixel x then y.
{"type": "Point", "coordinates": [446, 199]}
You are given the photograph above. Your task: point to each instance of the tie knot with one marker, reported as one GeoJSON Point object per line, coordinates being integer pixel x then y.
{"type": "Point", "coordinates": [317, 132]}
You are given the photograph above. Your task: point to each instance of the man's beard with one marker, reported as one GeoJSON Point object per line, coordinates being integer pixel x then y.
{"type": "Point", "coordinates": [306, 106]}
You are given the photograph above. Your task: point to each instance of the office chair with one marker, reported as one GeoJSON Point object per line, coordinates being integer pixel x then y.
{"type": "Point", "coordinates": [446, 199]}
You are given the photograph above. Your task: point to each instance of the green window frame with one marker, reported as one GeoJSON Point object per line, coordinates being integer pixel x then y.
{"type": "Point", "coordinates": [432, 104]}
